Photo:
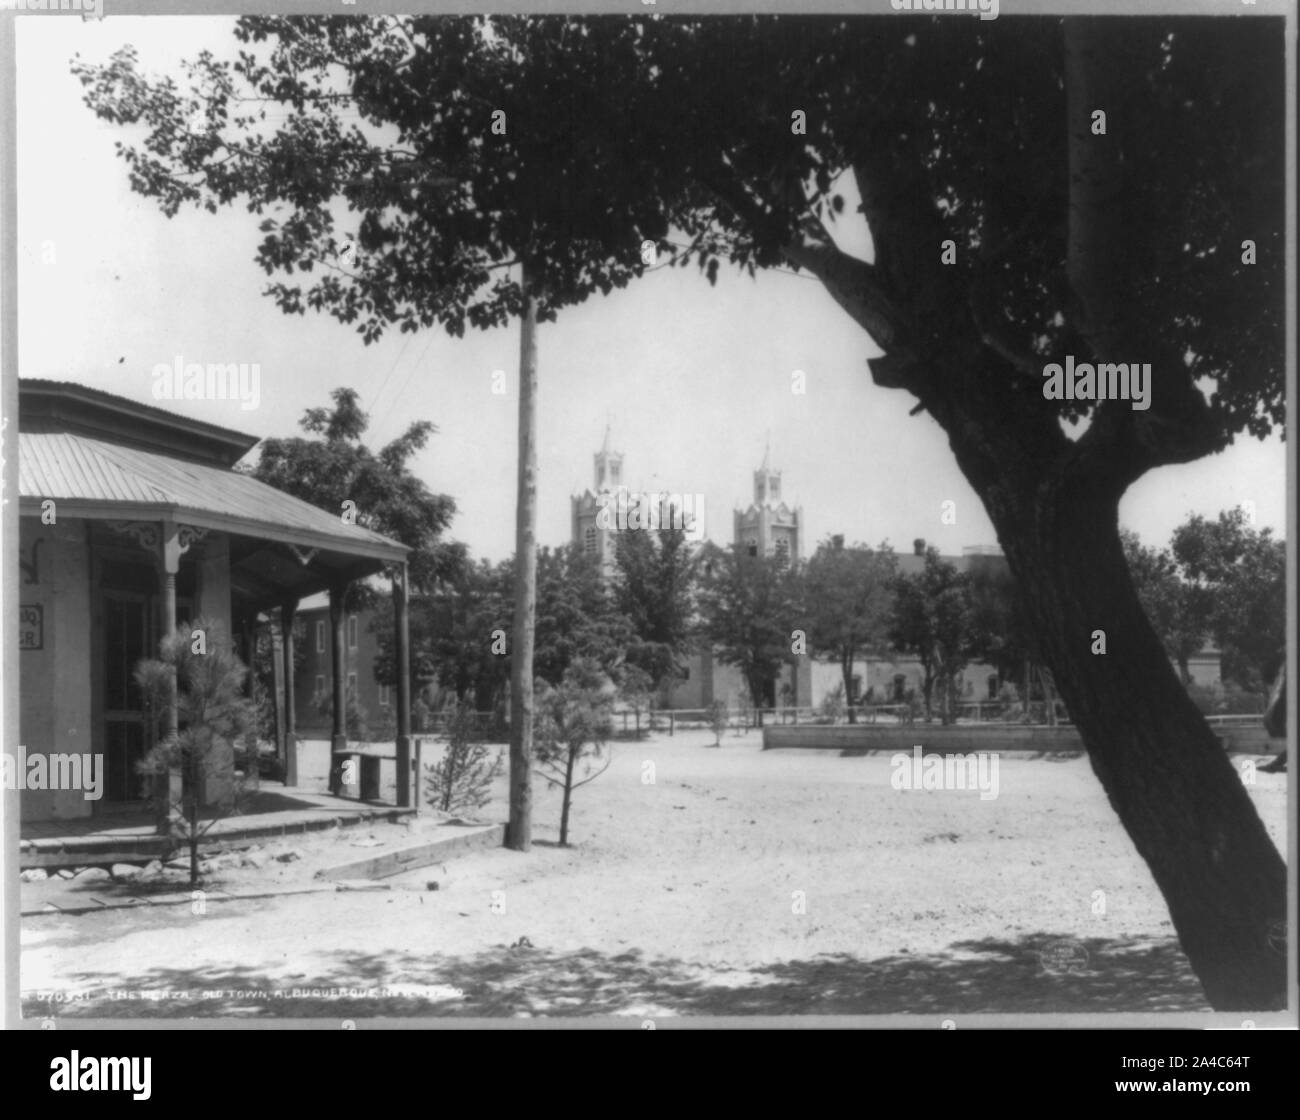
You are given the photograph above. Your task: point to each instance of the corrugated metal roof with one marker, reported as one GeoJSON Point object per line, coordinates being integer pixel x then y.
{"type": "Point", "coordinates": [68, 467]}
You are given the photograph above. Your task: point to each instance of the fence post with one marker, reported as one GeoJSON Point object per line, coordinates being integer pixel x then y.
{"type": "Point", "coordinates": [670, 724]}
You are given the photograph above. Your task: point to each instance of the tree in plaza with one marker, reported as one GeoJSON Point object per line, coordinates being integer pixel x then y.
{"type": "Point", "coordinates": [654, 578]}
{"type": "Point", "coordinates": [748, 613]}
{"type": "Point", "coordinates": [471, 654]}
{"type": "Point", "coordinates": [847, 593]}
{"type": "Point", "coordinates": [458, 634]}
{"type": "Point", "coordinates": [1239, 572]}
{"type": "Point", "coordinates": [1178, 609]}
{"type": "Point", "coordinates": [933, 617]}
{"type": "Point", "coordinates": [1015, 223]}
{"type": "Point", "coordinates": [636, 689]}
{"type": "Point", "coordinates": [575, 722]}
{"type": "Point", "coordinates": [386, 496]}
{"type": "Point", "coordinates": [377, 490]}
{"type": "Point", "coordinates": [576, 616]}
{"type": "Point", "coordinates": [198, 671]}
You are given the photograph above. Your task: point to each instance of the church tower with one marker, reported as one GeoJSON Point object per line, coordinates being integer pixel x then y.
{"type": "Point", "coordinates": [769, 527]}
{"type": "Point", "coordinates": [592, 538]}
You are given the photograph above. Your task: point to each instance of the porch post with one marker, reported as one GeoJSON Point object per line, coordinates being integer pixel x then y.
{"type": "Point", "coordinates": [338, 734]}
{"type": "Point", "coordinates": [401, 622]}
{"type": "Point", "coordinates": [288, 609]}
{"type": "Point", "coordinates": [248, 649]}
{"type": "Point", "coordinates": [169, 789]}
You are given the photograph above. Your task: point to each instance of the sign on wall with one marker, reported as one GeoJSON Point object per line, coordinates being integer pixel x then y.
{"type": "Point", "coordinates": [31, 626]}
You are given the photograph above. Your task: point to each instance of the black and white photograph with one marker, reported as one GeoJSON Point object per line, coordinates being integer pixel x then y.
{"type": "Point", "coordinates": [644, 514]}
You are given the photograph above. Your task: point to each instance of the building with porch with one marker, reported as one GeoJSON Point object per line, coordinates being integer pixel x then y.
{"type": "Point", "coordinates": [135, 520]}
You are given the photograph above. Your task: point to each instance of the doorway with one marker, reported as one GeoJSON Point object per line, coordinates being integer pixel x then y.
{"type": "Point", "coordinates": [128, 624]}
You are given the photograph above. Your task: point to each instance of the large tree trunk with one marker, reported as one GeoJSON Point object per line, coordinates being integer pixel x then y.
{"type": "Point", "coordinates": [1054, 502]}
{"type": "Point", "coordinates": [520, 827]}
{"type": "Point", "coordinates": [1167, 776]}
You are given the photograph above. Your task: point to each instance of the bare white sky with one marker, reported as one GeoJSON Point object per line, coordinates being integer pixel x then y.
{"type": "Point", "coordinates": [692, 377]}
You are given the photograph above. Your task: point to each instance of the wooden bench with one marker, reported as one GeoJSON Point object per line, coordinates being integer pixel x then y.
{"type": "Point", "coordinates": [366, 762]}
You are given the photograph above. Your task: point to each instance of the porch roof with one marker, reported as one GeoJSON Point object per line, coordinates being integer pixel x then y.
{"type": "Point", "coordinates": [95, 479]}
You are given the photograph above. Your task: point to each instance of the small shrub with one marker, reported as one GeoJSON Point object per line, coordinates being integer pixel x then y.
{"type": "Point", "coordinates": [463, 779]}
{"type": "Point", "coordinates": [831, 709]}
{"type": "Point", "coordinates": [717, 717]}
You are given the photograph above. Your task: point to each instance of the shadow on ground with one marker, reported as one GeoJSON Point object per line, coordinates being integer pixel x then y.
{"type": "Point", "coordinates": [268, 801]}
{"type": "Point", "coordinates": [1037, 973]}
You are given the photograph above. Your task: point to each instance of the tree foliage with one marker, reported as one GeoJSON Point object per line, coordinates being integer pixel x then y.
{"type": "Point", "coordinates": [1239, 572]}
{"type": "Point", "coordinates": [1179, 610]}
{"type": "Point", "coordinates": [933, 618]}
{"type": "Point", "coordinates": [388, 496]}
{"type": "Point", "coordinates": [197, 667]}
{"type": "Point", "coordinates": [575, 721]}
{"type": "Point", "coordinates": [462, 779]}
{"type": "Point", "coordinates": [846, 600]}
{"type": "Point", "coordinates": [748, 612]}
{"type": "Point", "coordinates": [654, 582]}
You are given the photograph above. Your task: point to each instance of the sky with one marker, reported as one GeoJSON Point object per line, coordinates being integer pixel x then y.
{"type": "Point", "coordinates": [694, 382]}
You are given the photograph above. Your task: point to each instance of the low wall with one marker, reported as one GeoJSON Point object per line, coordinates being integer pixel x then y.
{"type": "Point", "coordinates": [963, 738]}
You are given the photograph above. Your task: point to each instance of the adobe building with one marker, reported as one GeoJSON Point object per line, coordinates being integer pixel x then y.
{"type": "Point", "coordinates": [134, 520]}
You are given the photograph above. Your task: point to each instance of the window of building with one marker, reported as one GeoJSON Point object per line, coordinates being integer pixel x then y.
{"type": "Point", "coordinates": [753, 549]}
{"type": "Point", "coordinates": [320, 686]}
{"type": "Point", "coordinates": [589, 541]}
{"type": "Point", "coordinates": [774, 488]}
{"type": "Point", "coordinates": [352, 631]}
{"type": "Point", "coordinates": [352, 684]}
{"type": "Point", "coordinates": [384, 691]}
{"type": "Point", "coordinates": [993, 686]}
{"type": "Point", "coordinates": [783, 551]}
{"type": "Point", "coordinates": [900, 687]}
{"type": "Point", "coordinates": [855, 688]}
{"type": "Point", "coordinates": [320, 637]}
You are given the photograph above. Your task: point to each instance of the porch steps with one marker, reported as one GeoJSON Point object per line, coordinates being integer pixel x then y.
{"type": "Point", "coordinates": [103, 851]}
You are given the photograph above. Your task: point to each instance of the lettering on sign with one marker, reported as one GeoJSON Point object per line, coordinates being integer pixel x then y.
{"type": "Point", "coordinates": [31, 626]}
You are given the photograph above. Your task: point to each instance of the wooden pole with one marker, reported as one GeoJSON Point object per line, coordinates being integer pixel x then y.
{"type": "Point", "coordinates": [402, 644]}
{"type": "Point", "coordinates": [519, 828]}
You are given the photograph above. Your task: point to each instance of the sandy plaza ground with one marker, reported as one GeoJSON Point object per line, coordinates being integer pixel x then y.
{"type": "Point", "coordinates": [737, 882]}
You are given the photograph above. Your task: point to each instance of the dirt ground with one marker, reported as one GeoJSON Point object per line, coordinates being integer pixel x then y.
{"type": "Point", "coordinates": [736, 882]}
